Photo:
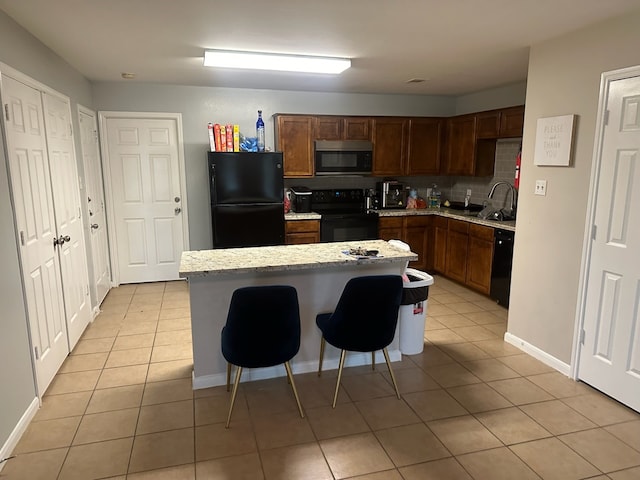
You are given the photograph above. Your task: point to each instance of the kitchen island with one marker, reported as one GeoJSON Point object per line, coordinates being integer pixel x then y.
{"type": "Point", "coordinates": [319, 273]}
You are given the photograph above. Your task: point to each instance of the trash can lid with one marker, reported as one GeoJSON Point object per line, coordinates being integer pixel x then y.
{"type": "Point", "coordinates": [423, 278]}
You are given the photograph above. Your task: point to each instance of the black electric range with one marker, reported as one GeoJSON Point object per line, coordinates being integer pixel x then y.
{"type": "Point", "coordinates": [344, 217]}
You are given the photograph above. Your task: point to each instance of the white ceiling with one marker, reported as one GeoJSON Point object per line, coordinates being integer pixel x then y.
{"type": "Point", "coordinates": [458, 46]}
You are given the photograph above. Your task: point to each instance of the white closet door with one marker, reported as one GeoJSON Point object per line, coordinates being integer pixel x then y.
{"type": "Point", "coordinates": [66, 197]}
{"type": "Point", "coordinates": [33, 200]}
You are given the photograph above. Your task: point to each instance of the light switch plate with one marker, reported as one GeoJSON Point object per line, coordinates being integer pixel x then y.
{"type": "Point", "coordinates": [468, 192]}
{"type": "Point", "coordinates": [541, 187]}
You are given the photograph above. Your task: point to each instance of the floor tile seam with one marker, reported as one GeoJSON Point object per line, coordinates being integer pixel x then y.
{"type": "Point", "coordinates": [621, 439]}
{"type": "Point", "coordinates": [416, 463]}
{"type": "Point", "coordinates": [600, 472]}
{"type": "Point", "coordinates": [551, 434]}
{"type": "Point", "coordinates": [560, 438]}
{"type": "Point", "coordinates": [582, 414]}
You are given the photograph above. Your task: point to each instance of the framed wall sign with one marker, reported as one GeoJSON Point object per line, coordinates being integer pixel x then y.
{"type": "Point", "coordinates": [554, 138]}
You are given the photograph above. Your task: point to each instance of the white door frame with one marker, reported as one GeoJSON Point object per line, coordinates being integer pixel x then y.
{"type": "Point", "coordinates": [605, 80]}
{"type": "Point", "coordinates": [103, 117]}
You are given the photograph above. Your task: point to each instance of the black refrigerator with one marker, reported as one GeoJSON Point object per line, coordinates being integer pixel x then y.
{"type": "Point", "coordinates": [247, 207]}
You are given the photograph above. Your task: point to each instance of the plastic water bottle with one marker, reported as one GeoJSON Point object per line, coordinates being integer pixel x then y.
{"type": "Point", "coordinates": [260, 132]}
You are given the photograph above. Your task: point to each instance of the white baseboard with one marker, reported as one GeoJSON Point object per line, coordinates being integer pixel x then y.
{"type": "Point", "coordinates": [19, 430]}
{"type": "Point", "coordinates": [538, 354]}
{"type": "Point", "coordinates": [353, 359]}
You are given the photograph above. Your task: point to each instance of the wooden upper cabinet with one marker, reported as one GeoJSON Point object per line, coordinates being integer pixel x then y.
{"type": "Point", "coordinates": [294, 135]}
{"type": "Point", "coordinates": [389, 145]}
{"type": "Point", "coordinates": [342, 128]}
{"type": "Point", "coordinates": [357, 128]}
{"type": "Point", "coordinates": [425, 146]}
{"type": "Point", "coordinates": [328, 128]}
{"type": "Point", "coordinates": [488, 124]}
{"type": "Point", "coordinates": [461, 143]}
{"type": "Point", "coordinates": [511, 122]}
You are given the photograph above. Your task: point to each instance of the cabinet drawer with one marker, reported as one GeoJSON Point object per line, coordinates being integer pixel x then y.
{"type": "Point", "coordinates": [418, 221]}
{"type": "Point", "coordinates": [390, 222]}
{"type": "Point", "coordinates": [458, 226]}
{"type": "Point", "coordinates": [300, 226]}
{"type": "Point", "coordinates": [483, 233]}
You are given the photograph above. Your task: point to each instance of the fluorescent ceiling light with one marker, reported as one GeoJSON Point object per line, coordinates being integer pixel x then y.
{"type": "Point", "coordinates": [270, 61]}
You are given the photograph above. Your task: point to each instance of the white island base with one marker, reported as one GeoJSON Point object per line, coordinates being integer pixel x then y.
{"type": "Point", "coordinates": [319, 273]}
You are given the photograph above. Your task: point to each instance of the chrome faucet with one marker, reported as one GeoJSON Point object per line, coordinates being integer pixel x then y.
{"type": "Point", "coordinates": [514, 196]}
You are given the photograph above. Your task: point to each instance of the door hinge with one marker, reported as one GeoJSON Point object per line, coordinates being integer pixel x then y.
{"type": "Point", "coordinates": [22, 237]}
{"type": "Point", "coordinates": [37, 353]}
{"type": "Point", "coordinates": [594, 232]}
{"type": "Point", "coordinates": [582, 335]}
{"type": "Point", "coordinates": [606, 117]}
{"type": "Point", "coordinates": [6, 111]}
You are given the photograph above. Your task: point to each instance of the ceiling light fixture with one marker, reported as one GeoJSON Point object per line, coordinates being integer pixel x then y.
{"type": "Point", "coordinates": [272, 61]}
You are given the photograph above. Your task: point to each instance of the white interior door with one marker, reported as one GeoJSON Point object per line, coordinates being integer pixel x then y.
{"type": "Point", "coordinates": [101, 278]}
{"type": "Point", "coordinates": [610, 357]}
{"type": "Point", "coordinates": [66, 200]}
{"type": "Point", "coordinates": [33, 201]}
{"type": "Point", "coordinates": [144, 158]}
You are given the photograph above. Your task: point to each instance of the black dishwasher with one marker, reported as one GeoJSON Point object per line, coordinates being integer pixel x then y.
{"type": "Point", "coordinates": [501, 268]}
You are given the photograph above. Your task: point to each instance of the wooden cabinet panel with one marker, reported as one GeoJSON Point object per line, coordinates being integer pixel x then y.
{"type": "Point", "coordinates": [418, 234]}
{"type": "Point", "coordinates": [293, 139]}
{"type": "Point", "coordinates": [511, 122]}
{"type": "Point", "coordinates": [425, 144]}
{"type": "Point", "coordinates": [457, 246]}
{"type": "Point", "coordinates": [357, 128]}
{"type": "Point", "coordinates": [302, 231]}
{"type": "Point", "coordinates": [457, 255]}
{"type": "Point", "coordinates": [328, 128]}
{"type": "Point", "coordinates": [461, 141]}
{"type": "Point", "coordinates": [440, 232]}
{"type": "Point", "coordinates": [389, 145]}
{"type": "Point", "coordinates": [488, 124]}
{"type": "Point", "coordinates": [390, 228]}
{"type": "Point", "coordinates": [479, 260]}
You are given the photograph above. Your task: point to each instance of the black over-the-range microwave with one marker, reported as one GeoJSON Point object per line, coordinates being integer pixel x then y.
{"type": "Point", "coordinates": [346, 157]}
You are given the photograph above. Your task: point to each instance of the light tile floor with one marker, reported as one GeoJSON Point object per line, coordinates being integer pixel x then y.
{"type": "Point", "coordinates": [473, 407]}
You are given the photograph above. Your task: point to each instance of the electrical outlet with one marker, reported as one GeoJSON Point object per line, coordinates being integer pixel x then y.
{"type": "Point", "coordinates": [541, 187]}
{"type": "Point", "coordinates": [468, 192]}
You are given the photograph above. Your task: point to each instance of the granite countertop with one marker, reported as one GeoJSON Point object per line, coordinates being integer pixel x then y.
{"type": "Point", "coordinates": [286, 257]}
{"type": "Point", "coordinates": [302, 216]}
{"type": "Point", "coordinates": [449, 213]}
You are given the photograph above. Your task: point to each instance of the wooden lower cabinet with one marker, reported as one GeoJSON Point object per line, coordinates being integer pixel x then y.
{"type": "Point", "coordinates": [302, 231]}
{"type": "Point", "coordinates": [416, 231]}
{"type": "Point", "coordinates": [457, 248]}
{"type": "Point", "coordinates": [391, 228]}
{"type": "Point", "coordinates": [418, 234]}
{"type": "Point", "coordinates": [440, 230]}
{"type": "Point", "coordinates": [480, 258]}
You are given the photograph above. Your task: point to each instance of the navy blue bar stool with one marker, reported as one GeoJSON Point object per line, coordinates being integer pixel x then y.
{"type": "Point", "coordinates": [262, 330]}
{"type": "Point", "coordinates": [364, 320]}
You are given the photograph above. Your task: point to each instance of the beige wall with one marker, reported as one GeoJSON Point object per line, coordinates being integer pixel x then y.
{"type": "Point", "coordinates": [564, 78]}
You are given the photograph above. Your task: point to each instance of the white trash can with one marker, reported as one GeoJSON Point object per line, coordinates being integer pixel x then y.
{"type": "Point", "coordinates": [413, 311]}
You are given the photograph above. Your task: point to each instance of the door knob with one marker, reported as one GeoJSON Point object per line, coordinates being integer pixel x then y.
{"type": "Point", "coordinates": [61, 240]}
{"type": "Point", "coordinates": [177, 199]}
{"type": "Point", "coordinates": [94, 226]}
{"type": "Point", "coordinates": [177, 210]}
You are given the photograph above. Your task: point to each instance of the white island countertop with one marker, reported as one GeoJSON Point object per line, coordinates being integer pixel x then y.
{"type": "Point", "coordinates": [286, 258]}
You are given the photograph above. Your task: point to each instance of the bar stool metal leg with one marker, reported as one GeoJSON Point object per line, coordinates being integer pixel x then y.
{"type": "Point", "coordinates": [287, 366]}
{"type": "Point", "coordinates": [322, 344]}
{"type": "Point", "coordinates": [335, 396]}
{"type": "Point", "coordinates": [393, 377]}
{"type": "Point", "coordinates": [233, 394]}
